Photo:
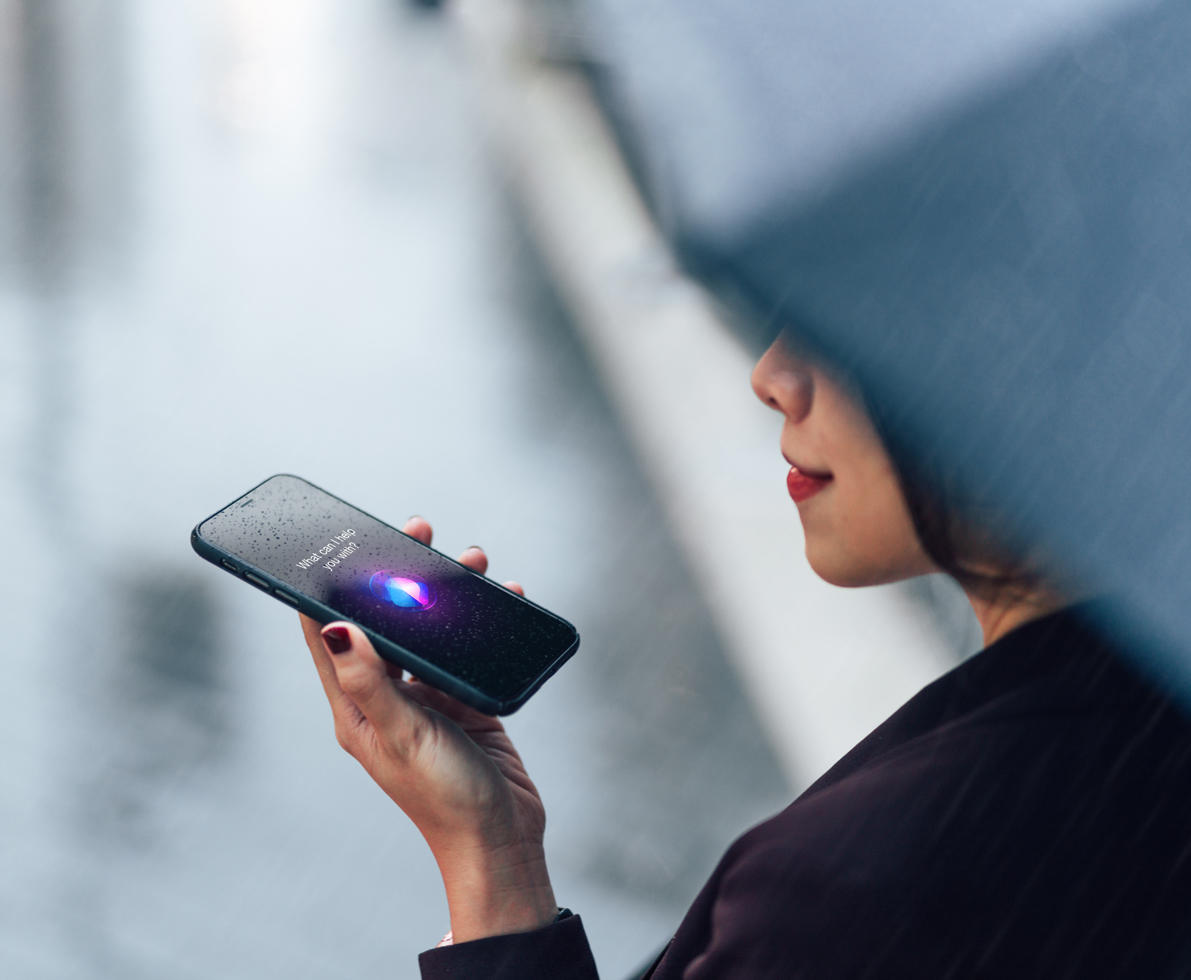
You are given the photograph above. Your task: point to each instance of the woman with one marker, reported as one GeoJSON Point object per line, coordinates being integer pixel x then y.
{"type": "Point", "coordinates": [1028, 814]}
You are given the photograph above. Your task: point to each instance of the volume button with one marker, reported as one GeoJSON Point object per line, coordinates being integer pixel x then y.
{"type": "Point", "coordinates": [286, 597]}
{"type": "Point", "coordinates": [259, 582]}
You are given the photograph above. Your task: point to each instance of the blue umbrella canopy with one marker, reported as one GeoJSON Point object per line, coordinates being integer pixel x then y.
{"type": "Point", "coordinates": [984, 213]}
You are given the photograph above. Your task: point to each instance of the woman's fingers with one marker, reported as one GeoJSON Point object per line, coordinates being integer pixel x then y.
{"type": "Point", "coordinates": [340, 703]}
{"type": "Point", "coordinates": [364, 681]}
{"type": "Point", "coordinates": [475, 559]}
{"type": "Point", "coordinates": [418, 527]}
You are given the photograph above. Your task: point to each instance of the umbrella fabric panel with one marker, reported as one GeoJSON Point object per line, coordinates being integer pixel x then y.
{"type": "Point", "coordinates": [1010, 277]}
{"type": "Point", "coordinates": [730, 105]}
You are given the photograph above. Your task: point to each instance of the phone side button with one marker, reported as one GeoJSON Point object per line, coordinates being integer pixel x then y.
{"type": "Point", "coordinates": [260, 583]}
{"type": "Point", "coordinates": [286, 597]}
{"type": "Point", "coordinates": [229, 566]}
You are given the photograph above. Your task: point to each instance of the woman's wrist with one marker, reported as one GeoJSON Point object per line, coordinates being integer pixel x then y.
{"type": "Point", "coordinates": [495, 892]}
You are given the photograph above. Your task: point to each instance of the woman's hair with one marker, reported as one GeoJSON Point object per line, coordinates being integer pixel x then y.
{"type": "Point", "coordinates": [959, 532]}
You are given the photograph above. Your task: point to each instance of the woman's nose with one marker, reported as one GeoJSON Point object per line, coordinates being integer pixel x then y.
{"type": "Point", "coordinates": [783, 382]}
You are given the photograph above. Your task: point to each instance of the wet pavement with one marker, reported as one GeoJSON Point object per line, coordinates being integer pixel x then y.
{"type": "Point", "coordinates": [248, 237]}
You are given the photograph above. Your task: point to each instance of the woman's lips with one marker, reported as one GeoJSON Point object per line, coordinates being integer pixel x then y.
{"type": "Point", "coordinates": [803, 486]}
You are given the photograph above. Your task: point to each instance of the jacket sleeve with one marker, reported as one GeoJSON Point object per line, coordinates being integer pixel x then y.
{"type": "Point", "coordinates": [555, 952]}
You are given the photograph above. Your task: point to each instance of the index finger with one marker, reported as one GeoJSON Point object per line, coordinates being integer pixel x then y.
{"type": "Point", "coordinates": [419, 528]}
{"type": "Point", "coordinates": [312, 630]}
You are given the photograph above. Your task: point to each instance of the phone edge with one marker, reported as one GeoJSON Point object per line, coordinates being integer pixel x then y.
{"type": "Point", "coordinates": [400, 655]}
{"type": "Point", "coordinates": [387, 649]}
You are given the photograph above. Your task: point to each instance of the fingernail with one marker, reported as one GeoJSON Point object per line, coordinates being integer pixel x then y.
{"type": "Point", "coordinates": [473, 547]}
{"type": "Point", "coordinates": [414, 517]}
{"type": "Point", "coordinates": [337, 639]}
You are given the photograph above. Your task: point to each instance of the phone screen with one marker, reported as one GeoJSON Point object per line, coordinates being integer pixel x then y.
{"type": "Point", "coordinates": [315, 545]}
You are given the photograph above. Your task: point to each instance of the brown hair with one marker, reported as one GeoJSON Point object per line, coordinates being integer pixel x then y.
{"type": "Point", "coordinates": [962, 533]}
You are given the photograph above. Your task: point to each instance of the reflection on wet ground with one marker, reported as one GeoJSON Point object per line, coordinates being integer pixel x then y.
{"type": "Point", "coordinates": [243, 237]}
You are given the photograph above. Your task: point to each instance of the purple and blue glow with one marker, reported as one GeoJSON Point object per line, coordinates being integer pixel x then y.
{"type": "Point", "coordinates": [407, 593]}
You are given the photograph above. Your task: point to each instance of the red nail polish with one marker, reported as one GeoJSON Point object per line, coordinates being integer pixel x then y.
{"type": "Point", "coordinates": [337, 639]}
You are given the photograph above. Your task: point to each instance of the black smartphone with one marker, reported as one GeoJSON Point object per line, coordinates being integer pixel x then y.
{"type": "Point", "coordinates": [449, 626]}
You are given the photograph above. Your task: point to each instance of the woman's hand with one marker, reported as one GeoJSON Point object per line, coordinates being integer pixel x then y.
{"type": "Point", "coordinates": [452, 769]}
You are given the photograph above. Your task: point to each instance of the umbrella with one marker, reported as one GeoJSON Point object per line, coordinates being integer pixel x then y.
{"type": "Point", "coordinates": [984, 213]}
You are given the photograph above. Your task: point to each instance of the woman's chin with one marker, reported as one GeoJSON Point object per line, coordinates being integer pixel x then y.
{"type": "Point", "coordinates": [848, 572]}
{"type": "Point", "coordinates": [845, 578]}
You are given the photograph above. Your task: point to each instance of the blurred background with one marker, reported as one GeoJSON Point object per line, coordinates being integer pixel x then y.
{"type": "Point", "coordinates": [396, 252]}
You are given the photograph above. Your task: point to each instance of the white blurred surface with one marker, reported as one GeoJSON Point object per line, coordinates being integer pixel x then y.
{"type": "Point", "coordinates": [244, 237]}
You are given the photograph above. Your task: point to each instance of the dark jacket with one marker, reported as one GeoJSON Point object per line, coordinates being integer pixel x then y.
{"type": "Point", "coordinates": [1026, 815]}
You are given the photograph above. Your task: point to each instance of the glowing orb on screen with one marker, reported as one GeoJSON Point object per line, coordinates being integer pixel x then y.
{"type": "Point", "coordinates": [407, 593]}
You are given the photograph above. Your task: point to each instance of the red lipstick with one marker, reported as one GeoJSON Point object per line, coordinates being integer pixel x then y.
{"type": "Point", "coordinates": [803, 486]}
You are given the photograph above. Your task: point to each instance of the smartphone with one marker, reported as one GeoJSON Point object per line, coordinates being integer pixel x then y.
{"type": "Point", "coordinates": [447, 625]}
